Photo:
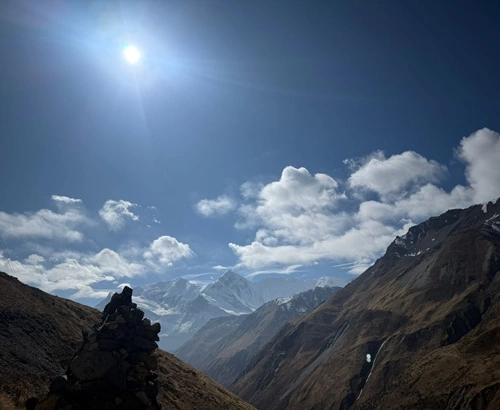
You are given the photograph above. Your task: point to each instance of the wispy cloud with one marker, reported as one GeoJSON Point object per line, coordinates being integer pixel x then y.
{"type": "Point", "coordinates": [65, 199]}
{"type": "Point", "coordinates": [216, 207]}
{"type": "Point", "coordinates": [115, 213]}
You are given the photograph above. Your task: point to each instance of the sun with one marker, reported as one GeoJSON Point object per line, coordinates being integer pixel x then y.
{"type": "Point", "coordinates": [131, 54]}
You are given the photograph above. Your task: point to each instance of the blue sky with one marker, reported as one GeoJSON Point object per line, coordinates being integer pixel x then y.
{"type": "Point", "coordinates": [293, 138]}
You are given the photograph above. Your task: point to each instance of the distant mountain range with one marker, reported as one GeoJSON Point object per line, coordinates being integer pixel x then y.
{"type": "Point", "coordinates": [183, 307]}
{"type": "Point", "coordinates": [420, 329]}
{"type": "Point", "coordinates": [223, 347]}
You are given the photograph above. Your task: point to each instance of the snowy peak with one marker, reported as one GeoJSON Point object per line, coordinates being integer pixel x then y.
{"type": "Point", "coordinates": [234, 294]}
{"type": "Point", "coordinates": [230, 277]}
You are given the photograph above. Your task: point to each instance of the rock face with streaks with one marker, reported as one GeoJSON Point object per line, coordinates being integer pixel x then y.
{"type": "Point", "coordinates": [115, 367]}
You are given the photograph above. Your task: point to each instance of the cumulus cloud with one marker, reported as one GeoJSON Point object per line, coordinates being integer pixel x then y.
{"type": "Point", "coordinates": [481, 153]}
{"type": "Point", "coordinates": [115, 264]}
{"type": "Point", "coordinates": [44, 224]}
{"type": "Point", "coordinates": [71, 273]}
{"type": "Point", "coordinates": [297, 190]}
{"type": "Point", "coordinates": [296, 208]}
{"type": "Point", "coordinates": [166, 250]}
{"type": "Point", "coordinates": [115, 213]}
{"type": "Point", "coordinates": [298, 221]}
{"type": "Point", "coordinates": [82, 271]}
{"type": "Point", "coordinates": [398, 172]}
{"type": "Point", "coordinates": [214, 207]}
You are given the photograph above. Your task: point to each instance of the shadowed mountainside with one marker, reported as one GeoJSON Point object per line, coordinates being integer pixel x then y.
{"type": "Point", "coordinates": [427, 314]}
{"type": "Point", "coordinates": [224, 346]}
{"type": "Point", "coordinates": [39, 334]}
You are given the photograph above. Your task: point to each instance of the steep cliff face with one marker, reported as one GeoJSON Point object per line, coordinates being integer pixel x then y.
{"type": "Point", "coordinates": [40, 333]}
{"type": "Point", "coordinates": [224, 346]}
{"type": "Point", "coordinates": [419, 329]}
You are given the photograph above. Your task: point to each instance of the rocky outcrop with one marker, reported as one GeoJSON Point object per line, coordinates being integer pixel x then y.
{"type": "Point", "coordinates": [115, 366]}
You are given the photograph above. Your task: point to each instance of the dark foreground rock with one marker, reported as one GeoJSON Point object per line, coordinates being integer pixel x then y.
{"type": "Point", "coordinates": [114, 368]}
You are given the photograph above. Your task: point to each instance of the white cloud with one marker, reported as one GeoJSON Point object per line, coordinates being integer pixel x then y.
{"type": "Point", "coordinates": [113, 263]}
{"type": "Point", "coordinates": [295, 208]}
{"type": "Point", "coordinates": [481, 153]}
{"type": "Point", "coordinates": [115, 213]}
{"type": "Point", "coordinates": [44, 224]}
{"type": "Point", "coordinates": [65, 199]}
{"type": "Point", "coordinates": [399, 172]}
{"type": "Point", "coordinates": [35, 259]}
{"type": "Point", "coordinates": [89, 292]}
{"type": "Point", "coordinates": [166, 250]}
{"type": "Point", "coordinates": [68, 274]}
{"type": "Point", "coordinates": [298, 190]}
{"type": "Point", "coordinates": [366, 240]}
{"type": "Point", "coordinates": [213, 207]}
{"type": "Point", "coordinates": [297, 219]}
{"type": "Point", "coordinates": [81, 271]}
{"type": "Point", "coordinates": [250, 190]}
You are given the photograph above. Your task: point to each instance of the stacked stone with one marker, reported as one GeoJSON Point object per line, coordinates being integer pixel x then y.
{"type": "Point", "coordinates": [114, 368]}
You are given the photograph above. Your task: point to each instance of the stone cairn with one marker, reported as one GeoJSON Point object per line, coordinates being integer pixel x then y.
{"type": "Point", "coordinates": [114, 367]}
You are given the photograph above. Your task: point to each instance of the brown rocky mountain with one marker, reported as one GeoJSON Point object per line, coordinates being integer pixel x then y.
{"type": "Point", "coordinates": [224, 346]}
{"type": "Point", "coordinates": [418, 330]}
{"type": "Point", "coordinates": [40, 333]}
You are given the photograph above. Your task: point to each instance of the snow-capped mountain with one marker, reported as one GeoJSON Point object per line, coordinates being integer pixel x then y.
{"type": "Point", "coordinates": [234, 294]}
{"type": "Point", "coordinates": [183, 307]}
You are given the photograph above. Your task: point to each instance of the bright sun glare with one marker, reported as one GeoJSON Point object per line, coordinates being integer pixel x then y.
{"type": "Point", "coordinates": [132, 54]}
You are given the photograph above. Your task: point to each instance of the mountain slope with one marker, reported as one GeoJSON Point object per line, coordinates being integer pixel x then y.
{"type": "Point", "coordinates": [224, 346]}
{"type": "Point", "coordinates": [39, 334]}
{"type": "Point", "coordinates": [427, 314]}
